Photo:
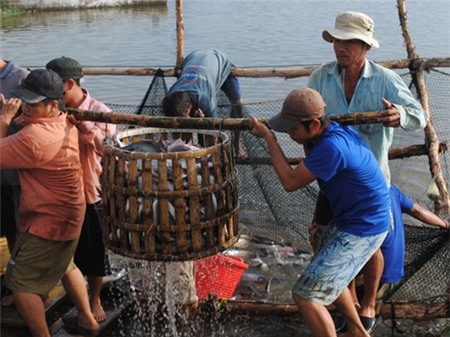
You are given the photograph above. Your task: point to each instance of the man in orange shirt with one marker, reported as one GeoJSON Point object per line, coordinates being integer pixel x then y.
{"type": "Point", "coordinates": [90, 255]}
{"type": "Point", "coordinates": [45, 152]}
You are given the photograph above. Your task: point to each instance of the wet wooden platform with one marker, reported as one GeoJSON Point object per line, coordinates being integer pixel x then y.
{"type": "Point", "coordinates": [114, 301]}
{"type": "Point", "coordinates": [112, 309]}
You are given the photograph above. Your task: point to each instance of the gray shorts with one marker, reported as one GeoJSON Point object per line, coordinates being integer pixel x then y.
{"type": "Point", "coordinates": [338, 261]}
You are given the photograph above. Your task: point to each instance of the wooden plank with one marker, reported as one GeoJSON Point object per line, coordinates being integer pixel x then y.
{"type": "Point", "coordinates": [11, 318]}
{"type": "Point", "coordinates": [112, 310]}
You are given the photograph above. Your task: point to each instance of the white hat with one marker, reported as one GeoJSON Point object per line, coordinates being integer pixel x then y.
{"type": "Point", "coordinates": [350, 26]}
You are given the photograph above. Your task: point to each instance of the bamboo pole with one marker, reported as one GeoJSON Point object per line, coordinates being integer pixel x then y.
{"type": "Point", "coordinates": [431, 138]}
{"type": "Point", "coordinates": [394, 153]}
{"type": "Point", "coordinates": [180, 32]}
{"type": "Point", "coordinates": [284, 72]}
{"type": "Point", "coordinates": [355, 118]}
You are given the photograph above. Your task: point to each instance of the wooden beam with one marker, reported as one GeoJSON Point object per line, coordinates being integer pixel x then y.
{"type": "Point", "coordinates": [431, 137]}
{"type": "Point", "coordinates": [284, 72]}
{"type": "Point", "coordinates": [394, 153]}
{"type": "Point", "coordinates": [399, 310]}
{"type": "Point", "coordinates": [355, 118]}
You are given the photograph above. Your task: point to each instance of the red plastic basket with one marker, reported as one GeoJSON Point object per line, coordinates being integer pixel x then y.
{"type": "Point", "coordinates": [218, 275]}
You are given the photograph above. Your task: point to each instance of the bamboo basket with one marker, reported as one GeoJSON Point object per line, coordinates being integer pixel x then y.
{"type": "Point", "coordinates": [170, 206]}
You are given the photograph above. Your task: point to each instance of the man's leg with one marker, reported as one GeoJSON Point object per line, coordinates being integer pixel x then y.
{"type": "Point", "coordinates": [315, 316]}
{"type": "Point", "coordinates": [352, 289]}
{"type": "Point", "coordinates": [74, 283]}
{"type": "Point", "coordinates": [232, 90]}
{"type": "Point", "coordinates": [237, 111]}
{"type": "Point", "coordinates": [95, 286]}
{"type": "Point", "coordinates": [90, 257]}
{"type": "Point", "coordinates": [31, 308]}
{"type": "Point", "coordinates": [372, 272]}
{"type": "Point", "coordinates": [344, 304]}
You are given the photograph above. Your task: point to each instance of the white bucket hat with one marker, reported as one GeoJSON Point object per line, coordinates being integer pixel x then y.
{"type": "Point", "coordinates": [350, 26]}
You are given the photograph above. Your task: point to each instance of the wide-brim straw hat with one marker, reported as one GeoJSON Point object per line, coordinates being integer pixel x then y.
{"type": "Point", "coordinates": [351, 26]}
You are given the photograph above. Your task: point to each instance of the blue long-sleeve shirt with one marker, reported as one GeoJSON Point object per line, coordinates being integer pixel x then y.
{"type": "Point", "coordinates": [375, 82]}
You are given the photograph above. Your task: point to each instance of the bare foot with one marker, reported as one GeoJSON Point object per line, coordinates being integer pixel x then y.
{"type": "Point", "coordinates": [87, 323]}
{"type": "Point", "coordinates": [98, 312]}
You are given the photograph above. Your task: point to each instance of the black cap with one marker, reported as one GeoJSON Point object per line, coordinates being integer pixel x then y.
{"type": "Point", "coordinates": [39, 85]}
{"type": "Point", "coordinates": [66, 67]}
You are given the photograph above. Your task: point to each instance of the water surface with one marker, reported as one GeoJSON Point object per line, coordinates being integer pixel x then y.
{"type": "Point", "coordinates": [254, 33]}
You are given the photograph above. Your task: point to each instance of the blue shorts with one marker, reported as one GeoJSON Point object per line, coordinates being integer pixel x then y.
{"type": "Point", "coordinates": [232, 89]}
{"type": "Point", "coordinates": [335, 265]}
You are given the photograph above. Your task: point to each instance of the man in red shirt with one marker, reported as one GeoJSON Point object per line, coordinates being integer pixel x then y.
{"type": "Point", "coordinates": [45, 152]}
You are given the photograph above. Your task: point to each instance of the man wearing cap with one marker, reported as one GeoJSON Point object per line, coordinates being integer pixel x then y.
{"type": "Point", "coordinates": [352, 83]}
{"type": "Point", "coordinates": [45, 152]}
{"type": "Point", "coordinates": [350, 177]}
{"type": "Point", "coordinates": [11, 75]}
{"type": "Point", "coordinates": [90, 255]}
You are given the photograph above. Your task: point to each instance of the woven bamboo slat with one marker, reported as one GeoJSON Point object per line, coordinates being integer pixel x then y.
{"type": "Point", "coordinates": [170, 206]}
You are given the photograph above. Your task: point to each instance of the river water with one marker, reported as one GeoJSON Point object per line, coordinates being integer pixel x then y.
{"type": "Point", "coordinates": [253, 33]}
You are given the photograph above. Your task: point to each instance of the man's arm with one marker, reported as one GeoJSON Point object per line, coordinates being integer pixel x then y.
{"type": "Point", "coordinates": [428, 217]}
{"type": "Point", "coordinates": [291, 178]}
{"type": "Point", "coordinates": [402, 109]}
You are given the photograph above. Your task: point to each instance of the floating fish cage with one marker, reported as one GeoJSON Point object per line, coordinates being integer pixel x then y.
{"type": "Point", "coordinates": [169, 206]}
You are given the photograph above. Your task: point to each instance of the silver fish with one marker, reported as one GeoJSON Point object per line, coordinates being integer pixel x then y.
{"type": "Point", "coordinates": [245, 254]}
{"type": "Point", "coordinates": [252, 277]}
{"type": "Point", "coordinates": [143, 146]}
{"type": "Point", "coordinates": [276, 286]}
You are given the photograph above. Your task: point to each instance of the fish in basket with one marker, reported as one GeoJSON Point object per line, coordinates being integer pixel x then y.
{"type": "Point", "coordinates": [169, 195]}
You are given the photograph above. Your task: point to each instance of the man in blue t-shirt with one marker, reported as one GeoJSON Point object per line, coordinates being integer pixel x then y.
{"type": "Point", "coordinates": [393, 247]}
{"type": "Point", "coordinates": [393, 251]}
{"type": "Point", "coordinates": [351, 179]}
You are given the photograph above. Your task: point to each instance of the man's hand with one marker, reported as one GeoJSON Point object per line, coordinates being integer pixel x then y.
{"type": "Point", "coordinates": [72, 119]}
{"type": "Point", "coordinates": [391, 116]}
{"type": "Point", "coordinates": [9, 109]}
{"type": "Point", "coordinates": [199, 113]}
{"type": "Point", "coordinates": [259, 129]}
{"type": "Point", "coordinates": [315, 234]}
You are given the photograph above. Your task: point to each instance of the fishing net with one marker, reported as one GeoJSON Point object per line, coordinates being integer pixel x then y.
{"type": "Point", "coordinates": [269, 211]}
